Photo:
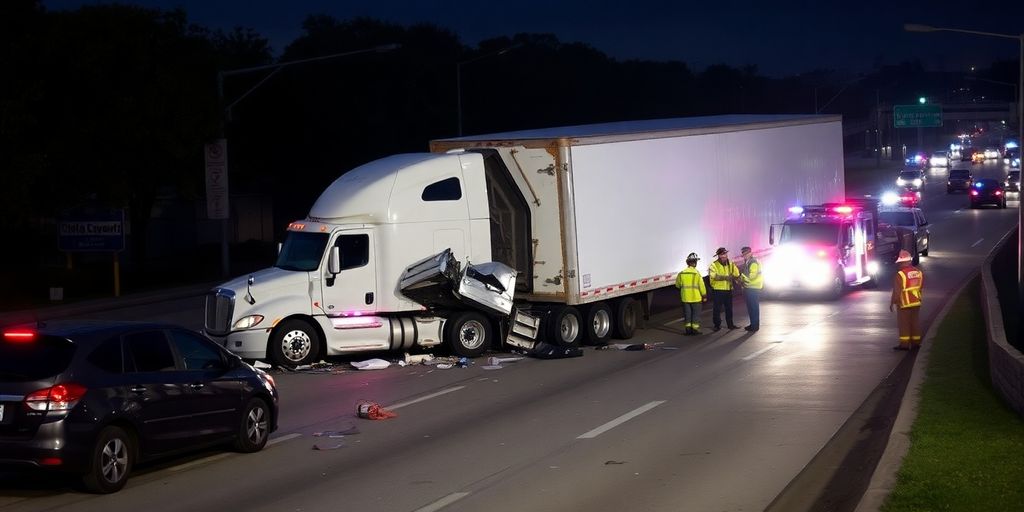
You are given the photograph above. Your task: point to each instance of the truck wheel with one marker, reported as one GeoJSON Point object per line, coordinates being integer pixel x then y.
{"type": "Point", "coordinates": [113, 456]}
{"type": "Point", "coordinates": [597, 323]}
{"type": "Point", "coordinates": [624, 322]}
{"type": "Point", "coordinates": [294, 343]}
{"type": "Point", "coordinates": [468, 334]}
{"type": "Point", "coordinates": [564, 328]}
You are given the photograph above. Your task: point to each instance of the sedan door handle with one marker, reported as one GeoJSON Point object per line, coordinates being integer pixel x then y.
{"type": "Point", "coordinates": [197, 385]}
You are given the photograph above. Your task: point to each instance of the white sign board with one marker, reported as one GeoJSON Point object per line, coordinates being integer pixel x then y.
{"type": "Point", "coordinates": [217, 179]}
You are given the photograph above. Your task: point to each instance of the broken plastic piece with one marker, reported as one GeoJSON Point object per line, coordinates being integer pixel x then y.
{"type": "Point", "coordinates": [418, 358]}
{"type": "Point", "coordinates": [445, 366]}
{"type": "Point", "coordinates": [499, 360]}
{"type": "Point", "coordinates": [373, 411]}
{"type": "Point", "coordinates": [370, 364]}
{"type": "Point", "coordinates": [261, 365]}
{"type": "Point", "coordinates": [322, 447]}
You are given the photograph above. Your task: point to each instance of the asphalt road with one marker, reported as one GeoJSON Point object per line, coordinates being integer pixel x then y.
{"type": "Point", "coordinates": [723, 422]}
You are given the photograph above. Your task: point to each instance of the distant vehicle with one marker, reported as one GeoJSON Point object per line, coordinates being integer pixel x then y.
{"type": "Point", "coordinates": [910, 178]}
{"type": "Point", "coordinates": [991, 153]}
{"type": "Point", "coordinates": [1012, 183]}
{"type": "Point", "coordinates": [919, 159]}
{"type": "Point", "coordinates": [1011, 155]}
{"type": "Point", "coordinates": [987, 191]}
{"type": "Point", "coordinates": [967, 154]}
{"type": "Point", "coordinates": [95, 398]}
{"type": "Point", "coordinates": [912, 219]}
{"type": "Point", "coordinates": [939, 159]}
{"type": "Point", "coordinates": [959, 180]}
{"type": "Point", "coordinates": [978, 157]}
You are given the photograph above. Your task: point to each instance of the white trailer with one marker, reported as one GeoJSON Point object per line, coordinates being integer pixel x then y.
{"type": "Point", "coordinates": [592, 217]}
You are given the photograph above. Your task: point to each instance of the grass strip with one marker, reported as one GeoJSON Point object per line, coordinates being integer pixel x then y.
{"type": "Point", "coordinates": [967, 446]}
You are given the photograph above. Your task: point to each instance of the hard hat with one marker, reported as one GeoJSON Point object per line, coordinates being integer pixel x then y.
{"type": "Point", "coordinates": [692, 257]}
{"type": "Point", "coordinates": [745, 250]}
{"type": "Point", "coordinates": [904, 256]}
{"type": "Point", "coordinates": [721, 251]}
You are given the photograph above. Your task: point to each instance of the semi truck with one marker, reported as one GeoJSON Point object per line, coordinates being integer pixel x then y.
{"type": "Point", "coordinates": [582, 224]}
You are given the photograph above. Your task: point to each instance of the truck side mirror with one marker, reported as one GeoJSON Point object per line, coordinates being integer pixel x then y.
{"type": "Point", "coordinates": [334, 261]}
{"type": "Point", "coordinates": [771, 235]}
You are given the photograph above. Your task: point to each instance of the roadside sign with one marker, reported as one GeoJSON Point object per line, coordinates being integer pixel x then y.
{"type": "Point", "coordinates": [917, 116]}
{"type": "Point", "coordinates": [92, 231]}
{"type": "Point", "coordinates": [217, 179]}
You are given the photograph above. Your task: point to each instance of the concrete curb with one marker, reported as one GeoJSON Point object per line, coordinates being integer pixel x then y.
{"type": "Point", "coordinates": [1005, 362]}
{"type": "Point", "coordinates": [93, 306]}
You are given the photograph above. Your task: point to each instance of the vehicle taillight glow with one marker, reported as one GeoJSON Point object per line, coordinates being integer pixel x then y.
{"type": "Point", "coordinates": [999, 192]}
{"type": "Point", "coordinates": [974, 192]}
{"type": "Point", "coordinates": [19, 336]}
{"type": "Point", "coordinates": [51, 461]}
{"type": "Point", "coordinates": [843, 209]}
{"type": "Point", "coordinates": [61, 397]}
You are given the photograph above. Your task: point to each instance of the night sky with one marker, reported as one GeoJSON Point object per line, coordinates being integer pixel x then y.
{"type": "Point", "coordinates": [780, 38]}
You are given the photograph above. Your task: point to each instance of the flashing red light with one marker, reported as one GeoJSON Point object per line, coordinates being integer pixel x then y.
{"type": "Point", "coordinates": [843, 209]}
{"type": "Point", "coordinates": [999, 192]}
{"type": "Point", "coordinates": [974, 192]}
{"type": "Point", "coordinates": [19, 336]}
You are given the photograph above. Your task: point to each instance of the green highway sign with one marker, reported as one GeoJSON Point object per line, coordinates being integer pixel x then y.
{"type": "Point", "coordinates": [917, 116]}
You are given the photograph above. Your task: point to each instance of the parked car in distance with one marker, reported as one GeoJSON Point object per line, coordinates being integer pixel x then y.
{"type": "Point", "coordinates": [95, 398]}
{"type": "Point", "coordinates": [939, 159]}
{"type": "Point", "coordinates": [988, 191]}
{"type": "Point", "coordinates": [1012, 183]}
{"type": "Point", "coordinates": [959, 180]}
{"type": "Point", "coordinates": [912, 219]}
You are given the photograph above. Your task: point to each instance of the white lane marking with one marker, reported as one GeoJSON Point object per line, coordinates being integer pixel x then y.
{"type": "Point", "coordinates": [200, 462]}
{"type": "Point", "coordinates": [620, 420]}
{"type": "Point", "coordinates": [443, 502]}
{"type": "Point", "coordinates": [283, 438]}
{"type": "Point", "coordinates": [422, 398]}
{"type": "Point", "coordinates": [755, 354]}
{"type": "Point", "coordinates": [677, 320]}
{"type": "Point", "coordinates": [978, 242]}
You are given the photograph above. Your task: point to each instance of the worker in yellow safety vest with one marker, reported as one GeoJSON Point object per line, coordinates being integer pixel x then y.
{"type": "Point", "coordinates": [906, 296]}
{"type": "Point", "coordinates": [722, 274]}
{"type": "Point", "coordinates": [692, 292]}
{"type": "Point", "coordinates": [753, 283]}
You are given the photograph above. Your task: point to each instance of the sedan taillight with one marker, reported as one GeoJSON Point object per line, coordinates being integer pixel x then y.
{"type": "Point", "coordinates": [61, 397]}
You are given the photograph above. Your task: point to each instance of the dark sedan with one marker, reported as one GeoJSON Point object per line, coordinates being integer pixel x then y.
{"type": "Point", "coordinates": [1012, 183]}
{"type": "Point", "coordinates": [988, 191]}
{"type": "Point", "coordinates": [95, 398]}
{"type": "Point", "coordinates": [959, 180]}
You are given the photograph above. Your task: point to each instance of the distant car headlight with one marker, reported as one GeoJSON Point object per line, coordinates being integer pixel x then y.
{"type": "Point", "coordinates": [248, 321]}
{"type": "Point", "coordinates": [901, 181]}
{"type": "Point", "coordinates": [917, 182]}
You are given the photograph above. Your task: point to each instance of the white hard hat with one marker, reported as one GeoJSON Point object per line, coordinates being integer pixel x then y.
{"type": "Point", "coordinates": [904, 256]}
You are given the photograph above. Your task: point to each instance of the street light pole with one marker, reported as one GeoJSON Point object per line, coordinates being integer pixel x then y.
{"type": "Point", "coordinates": [912, 27]}
{"type": "Point", "coordinates": [458, 79]}
{"type": "Point", "coordinates": [225, 113]}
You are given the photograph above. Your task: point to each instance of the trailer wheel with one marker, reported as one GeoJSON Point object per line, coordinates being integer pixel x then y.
{"type": "Point", "coordinates": [597, 323]}
{"type": "Point", "coordinates": [565, 325]}
{"type": "Point", "coordinates": [624, 322]}
{"type": "Point", "coordinates": [468, 334]}
{"type": "Point", "coordinates": [295, 342]}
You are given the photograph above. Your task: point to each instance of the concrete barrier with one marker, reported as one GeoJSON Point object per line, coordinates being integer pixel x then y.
{"type": "Point", "coordinates": [1006, 363]}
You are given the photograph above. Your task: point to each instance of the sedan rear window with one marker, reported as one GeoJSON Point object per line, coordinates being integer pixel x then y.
{"type": "Point", "coordinates": [40, 358]}
{"type": "Point", "coordinates": [959, 174]}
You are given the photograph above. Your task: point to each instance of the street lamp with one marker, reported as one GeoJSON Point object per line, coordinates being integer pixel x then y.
{"type": "Point", "coordinates": [913, 27]}
{"type": "Point", "coordinates": [458, 77]}
{"type": "Point", "coordinates": [225, 114]}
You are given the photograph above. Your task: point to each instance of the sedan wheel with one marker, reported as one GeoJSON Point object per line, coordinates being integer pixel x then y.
{"type": "Point", "coordinates": [112, 461]}
{"type": "Point", "coordinates": [255, 427]}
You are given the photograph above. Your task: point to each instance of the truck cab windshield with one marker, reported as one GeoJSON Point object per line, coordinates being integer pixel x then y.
{"type": "Point", "coordinates": [825, 234]}
{"type": "Point", "coordinates": [302, 251]}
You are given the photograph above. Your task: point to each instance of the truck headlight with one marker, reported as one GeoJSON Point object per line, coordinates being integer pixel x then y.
{"type": "Point", "coordinates": [248, 321]}
{"type": "Point", "coordinates": [872, 267]}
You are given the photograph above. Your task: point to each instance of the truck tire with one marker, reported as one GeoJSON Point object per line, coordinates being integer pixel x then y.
{"type": "Point", "coordinates": [565, 326]}
{"type": "Point", "coordinates": [294, 342]}
{"type": "Point", "coordinates": [624, 321]}
{"type": "Point", "coordinates": [468, 334]}
{"type": "Point", "coordinates": [597, 324]}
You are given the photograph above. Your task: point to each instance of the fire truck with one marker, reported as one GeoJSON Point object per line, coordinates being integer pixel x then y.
{"type": "Point", "coordinates": [826, 248]}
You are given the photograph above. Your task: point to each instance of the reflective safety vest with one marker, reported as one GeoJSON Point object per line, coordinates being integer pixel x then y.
{"type": "Point", "coordinates": [752, 278]}
{"type": "Point", "coordinates": [691, 285]}
{"type": "Point", "coordinates": [911, 280]}
{"type": "Point", "coordinates": [727, 271]}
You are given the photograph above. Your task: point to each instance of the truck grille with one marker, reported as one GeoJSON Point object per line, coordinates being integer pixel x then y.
{"type": "Point", "coordinates": [220, 304]}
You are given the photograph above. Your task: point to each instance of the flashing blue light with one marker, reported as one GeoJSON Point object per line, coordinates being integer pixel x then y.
{"type": "Point", "coordinates": [978, 184]}
{"type": "Point", "coordinates": [1011, 145]}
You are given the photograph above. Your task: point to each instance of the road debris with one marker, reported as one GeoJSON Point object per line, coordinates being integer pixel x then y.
{"type": "Point", "coordinates": [373, 411]}
{"type": "Point", "coordinates": [371, 364]}
{"type": "Point", "coordinates": [261, 365]}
